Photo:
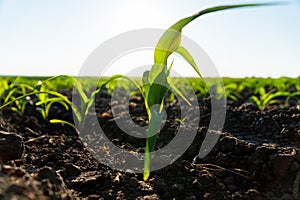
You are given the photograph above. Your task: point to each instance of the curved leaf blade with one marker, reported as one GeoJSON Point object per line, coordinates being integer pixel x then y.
{"type": "Point", "coordinates": [188, 57]}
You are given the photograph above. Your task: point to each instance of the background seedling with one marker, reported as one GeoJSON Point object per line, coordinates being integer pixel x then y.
{"type": "Point", "coordinates": [263, 98]}
{"type": "Point", "coordinates": [294, 95]}
{"type": "Point", "coordinates": [12, 91]}
{"type": "Point", "coordinates": [45, 102]}
{"type": "Point", "coordinates": [86, 102]}
{"type": "Point", "coordinates": [21, 94]}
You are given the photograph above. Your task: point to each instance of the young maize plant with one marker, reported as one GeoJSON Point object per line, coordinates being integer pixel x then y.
{"type": "Point", "coordinates": [265, 99]}
{"type": "Point", "coordinates": [45, 102]}
{"type": "Point", "coordinates": [157, 81]}
{"type": "Point", "coordinates": [42, 95]}
{"type": "Point", "coordinates": [81, 109]}
{"type": "Point", "coordinates": [12, 91]}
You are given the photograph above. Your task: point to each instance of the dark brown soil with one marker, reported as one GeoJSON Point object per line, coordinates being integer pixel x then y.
{"type": "Point", "coordinates": [257, 157]}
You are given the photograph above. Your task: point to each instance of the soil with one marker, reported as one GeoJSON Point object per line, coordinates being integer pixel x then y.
{"type": "Point", "coordinates": [257, 156]}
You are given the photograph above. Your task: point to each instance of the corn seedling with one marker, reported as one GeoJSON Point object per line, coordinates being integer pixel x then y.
{"type": "Point", "coordinates": [21, 94]}
{"type": "Point", "coordinates": [46, 98]}
{"type": "Point", "coordinates": [294, 95]}
{"type": "Point", "coordinates": [264, 99]}
{"type": "Point", "coordinates": [157, 81]}
{"type": "Point", "coordinates": [44, 101]}
{"type": "Point", "coordinates": [4, 85]}
{"type": "Point", "coordinates": [233, 91]}
{"type": "Point", "coordinates": [81, 110]}
{"type": "Point", "coordinates": [201, 89]}
{"type": "Point", "coordinates": [12, 91]}
{"type": "Point", "coordinates": [21, 104]}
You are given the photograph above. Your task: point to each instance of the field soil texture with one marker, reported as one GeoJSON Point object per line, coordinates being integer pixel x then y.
{"type": "Point", "coordinates": [257, 155]}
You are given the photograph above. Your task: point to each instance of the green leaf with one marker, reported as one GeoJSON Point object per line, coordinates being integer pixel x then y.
{"type": "Point", "coordinates": [261, 91]}
{"type": "Point", "coordinates": [183, 22]}
{"type": "Point", "coordinates": [43, 96]}
{"type": "Point", "coordinates": [16, 110]}
{"type": "Point", "coordinates": [171, 38]}
{"type": "Point", "coordinates": [77, 113]}
{"type": "Point", "coordinates": [80, 90]}
{"type": "Point", "coordinates": [273, 101]}
{"type": "Point", "coordinates": [173, 85]}
{"type": "Point", "coordinates": [170, 68]}
{"type": "Point", "coordinates": [158, 89]}
{"type": "Point", "coordinates": [153, 130]}
{"type": "Point", "coordinates": [9, 95]}
{"type": "Point", "coordinates": [124, 77]}
{"type": "Point", "coordinates": [166, 45]}
{"type": "Point", "coordinates": [65, 99]}
{"type": "Point", "coordinates": [47, 109]}
{"type": "Point", "coordinates": [146, 84]}
{"type": "Point", "coordinates": [256, 101]}
{"type": "Point", "coordinates": [187, 56]}
{"type": "Point", "coordinates": [233, 96]}
{"type": "Point", "coordinates": [58, 121]}
{"type": "Point", "coordinates": [177, 91]}
{"type": "Point", "coordinates": [271, 96]}
{"type": "Point", "coordinates": [145, 90]}
{"type": "Point", "coordinates": [53, 99]}
{"type": "Point", "coordinates": [145, 78]}
{"type": "Point", "coordinates": [91, 101]}
{"type": "Point", "coordinates": [42, 112]}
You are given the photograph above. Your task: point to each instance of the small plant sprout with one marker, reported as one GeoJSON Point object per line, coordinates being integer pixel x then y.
{"type": "Point", "coordinates": [45, 102]}
{"type": "Point", "coordinates": [81, 109]}
{"type": "Point", "coordinates": [233, 91]}
{"type": "Point", "coordinates": [294, 95]}
{"type": "Point", "coordinates": [23, 93]}
{"type": "Point", "coordinates": [267, 98]}
{"type": "Point", "coordinates": [4, 87]}
{"type": "Point", "coordinates": [157, 81]}
{"type": "Point", "coordinates": [13, 91]}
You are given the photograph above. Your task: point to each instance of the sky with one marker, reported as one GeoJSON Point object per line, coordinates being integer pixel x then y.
{"type": "Point", "coordinates": [53, 37]}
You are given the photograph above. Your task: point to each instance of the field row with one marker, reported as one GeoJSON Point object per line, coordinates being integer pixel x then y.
{"type": "Point", "coordinates": [17, 93]}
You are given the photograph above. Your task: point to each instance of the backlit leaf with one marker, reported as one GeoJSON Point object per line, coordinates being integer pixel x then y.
{"type": "Point", "coordinates": [188, 57]}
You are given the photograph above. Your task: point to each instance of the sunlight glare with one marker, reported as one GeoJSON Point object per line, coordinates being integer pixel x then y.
{"type": "Point", "coordinates": [138, 14]}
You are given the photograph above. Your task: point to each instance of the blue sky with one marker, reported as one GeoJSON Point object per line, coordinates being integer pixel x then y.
{"type": "Point", "coordinates": [55, 37]}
